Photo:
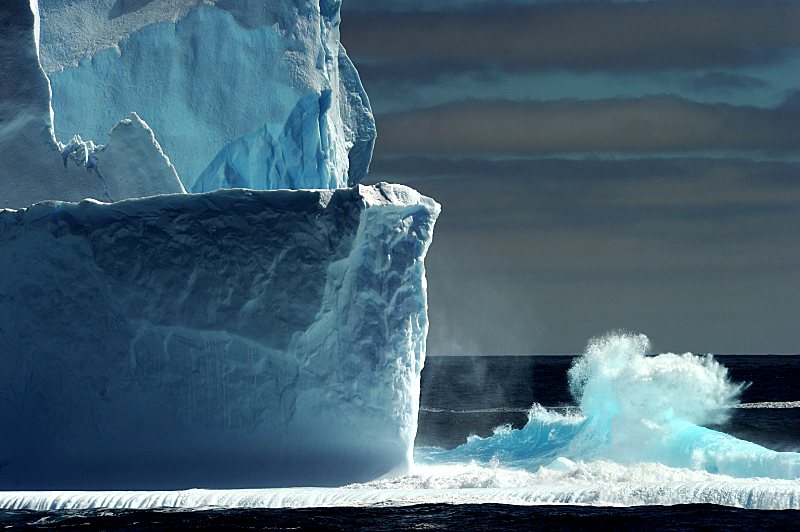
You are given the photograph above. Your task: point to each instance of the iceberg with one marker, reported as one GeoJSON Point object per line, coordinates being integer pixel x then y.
{"type": "Point", "coordinates": [239, 93]}
{"type": "Point", "coordinates": [36, 166]}
{"type": "Point", "coordinates": [229, 339]}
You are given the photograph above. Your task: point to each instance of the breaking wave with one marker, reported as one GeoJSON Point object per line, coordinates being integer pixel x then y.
{"type": "Point", "coordinates": [634, 409]}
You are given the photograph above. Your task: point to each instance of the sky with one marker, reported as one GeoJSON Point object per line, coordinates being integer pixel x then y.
{"type": "Point", "coordinates": [601, 166]}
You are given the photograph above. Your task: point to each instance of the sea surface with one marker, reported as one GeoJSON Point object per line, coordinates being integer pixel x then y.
{"type": "Point", "coordinates": [465, 397]}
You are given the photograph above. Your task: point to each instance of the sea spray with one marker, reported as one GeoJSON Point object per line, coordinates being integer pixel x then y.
{"type": "Point", "coordinates": [634, 409]}
{"type": "Point", "coordinates": [616, 379]}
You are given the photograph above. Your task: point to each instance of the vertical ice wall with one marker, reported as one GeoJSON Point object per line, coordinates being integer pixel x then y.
{"type": "Point", "coordinates": [233, 338]}
{"type": "Point", "coordinates": [239, 93]}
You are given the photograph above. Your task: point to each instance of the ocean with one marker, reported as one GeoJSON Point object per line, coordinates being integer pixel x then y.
{"type": "Point", "coordinates": [513, 478]}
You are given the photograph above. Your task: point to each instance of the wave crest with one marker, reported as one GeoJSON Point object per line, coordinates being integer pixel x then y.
{"type": "Point", "coordinates": [634, 409]}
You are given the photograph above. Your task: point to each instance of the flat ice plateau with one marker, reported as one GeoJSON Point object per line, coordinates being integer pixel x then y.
{"type": "Point", "coordinates": [232, 338]}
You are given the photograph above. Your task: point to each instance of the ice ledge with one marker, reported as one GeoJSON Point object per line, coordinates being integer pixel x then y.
{"type": "Point", "coordinates": [391, 194]}
{"type": "Point", "coordinates": [227, 339]}
{"type": "Point", "coordinates": [379, 194]}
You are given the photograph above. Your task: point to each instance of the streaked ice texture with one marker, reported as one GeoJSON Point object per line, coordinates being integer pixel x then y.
{"type": "Point", "coordinates": [228, 339]}
{"type": "Point", "coordinates": [35, 166]}
{"type": "Point", "coordinates": [238, 93]}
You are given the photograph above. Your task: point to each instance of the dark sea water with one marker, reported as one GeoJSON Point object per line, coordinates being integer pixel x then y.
{"type": "Point", "coordinates": [462, 518]}
{"type": "Point", "coordinates": [472, 395]}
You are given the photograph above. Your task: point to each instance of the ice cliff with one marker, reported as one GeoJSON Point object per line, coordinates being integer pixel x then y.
{"type": "Point", "coordinates": [228, 338]}
{"type": "Point", "coordinates": [233, 338]}
{"type": "Point", "coordinates": [239, 93]}
{"type": "Point", "coordinates": [229, 93]}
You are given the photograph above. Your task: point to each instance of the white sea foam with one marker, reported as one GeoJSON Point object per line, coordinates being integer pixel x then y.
{"type": "Point", "coordinates": [770, 405]}
{"type": "Point", "coordinates": [634, 409]}
{"type": "Point", "coordinates": [599, 483]}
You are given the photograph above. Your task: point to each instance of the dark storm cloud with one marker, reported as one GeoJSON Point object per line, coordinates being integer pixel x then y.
{"type": "Point", "coordinates": [430, 71]}
{"type": "Point", "coordinates": [539, 255]}
{"type": "Point", "coordinates": [406, 6]}
{"type": "Point", "coordinates": [578, 35]}
{"type": "Point", "coordinates": [583, 172]}
{"type": "Point", "coordinates": [641, 125]}
{"type": "Point", "coordinates": [543, 241]}
{"type": "Point", "coordinates": [726, 81]}
{"type": "Point", "coordinates": [544, 189]}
